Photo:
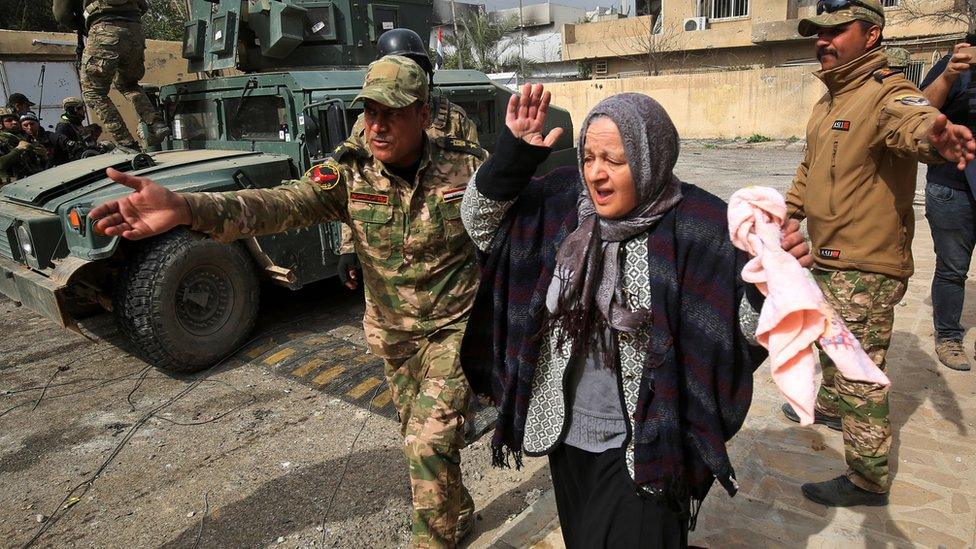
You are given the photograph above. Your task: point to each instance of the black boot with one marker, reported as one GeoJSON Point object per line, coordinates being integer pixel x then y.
{"type": "Point", "coordinates": [841, 492]}
{"type": "Point", "coordinates": [818, 417]}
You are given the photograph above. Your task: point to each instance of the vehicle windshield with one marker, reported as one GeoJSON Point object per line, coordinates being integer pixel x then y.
{"type": "Point", "coordinates": [259, 118]}
{"type": "Point", "coordinates": [195, 120]}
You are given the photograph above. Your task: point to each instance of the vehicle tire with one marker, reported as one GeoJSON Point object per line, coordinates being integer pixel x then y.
{"type": "Point", "coordinates": [186, 301]}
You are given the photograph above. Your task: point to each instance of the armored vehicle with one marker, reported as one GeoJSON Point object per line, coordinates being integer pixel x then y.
{"type": "Point", "coordinates": [290, 71]}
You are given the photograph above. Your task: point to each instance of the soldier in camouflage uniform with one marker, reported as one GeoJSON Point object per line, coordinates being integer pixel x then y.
{"type": "Point", "coordinates": [401, 195]}
{"type": "Point", "coordinates": [114, 52]}
{"type": "Point", "coordinates": [855, 188]}
{"type": "Point", "coordinates": [21, 154]}
{"type": "Point", "coordinates": [447, 120]}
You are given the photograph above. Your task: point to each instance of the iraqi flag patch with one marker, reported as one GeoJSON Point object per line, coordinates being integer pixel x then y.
{"type": "Point", "coordinates": [451, 195]}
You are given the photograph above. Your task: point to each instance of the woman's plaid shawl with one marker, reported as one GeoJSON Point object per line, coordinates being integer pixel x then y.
{"type": "Point", "coordinates": [697, 385]}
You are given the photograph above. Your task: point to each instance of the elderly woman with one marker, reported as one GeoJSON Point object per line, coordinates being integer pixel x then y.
{"type": "Point", "coordinates": [611, 330]}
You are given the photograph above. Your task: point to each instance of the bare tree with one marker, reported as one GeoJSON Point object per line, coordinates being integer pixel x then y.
{"type": "Point", "coordinates": [940, 13]}
{"type": "Point", "coordinates": [652, 44]}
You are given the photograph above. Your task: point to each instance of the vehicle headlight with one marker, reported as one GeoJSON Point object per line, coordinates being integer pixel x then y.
{"type": "Point", "coordinates": [25, 241]}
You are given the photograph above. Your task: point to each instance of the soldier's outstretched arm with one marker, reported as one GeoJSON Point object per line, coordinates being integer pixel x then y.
{"type": "Point", "coordinates": [226, 216]}
{"type": "Point", "coordinates": [912, 128]}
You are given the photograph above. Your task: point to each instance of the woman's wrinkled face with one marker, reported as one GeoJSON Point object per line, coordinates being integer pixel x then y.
{"type": "Point", "coordinates": [606, 171]}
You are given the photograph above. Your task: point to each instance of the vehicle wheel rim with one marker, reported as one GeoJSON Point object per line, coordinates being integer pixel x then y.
{"type": "Point", "coordinates": [204, 300]}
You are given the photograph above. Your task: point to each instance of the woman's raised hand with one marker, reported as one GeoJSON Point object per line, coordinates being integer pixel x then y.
{"type": "Point", "coordinates": [149, 211]}
{"type": "Point", "coordinates": [526, 116]}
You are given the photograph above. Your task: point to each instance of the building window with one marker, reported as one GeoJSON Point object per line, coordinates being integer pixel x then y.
{"type": "Point", "coordinates": [890, 3]}
{"type": "Point", "coordinates": [600, 68]}
{"type": "Point", "coordinates": [726, 9]}
{"type": "Point", "coordinates": [914, 71]}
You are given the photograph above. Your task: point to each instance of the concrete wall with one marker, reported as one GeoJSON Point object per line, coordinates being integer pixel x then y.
{"type": "Point", "coordinates": [773, 102]}
{"type": "Point", "coordinates": [164, 63]}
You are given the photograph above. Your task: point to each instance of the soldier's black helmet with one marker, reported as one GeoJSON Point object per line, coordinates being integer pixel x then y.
{"type": "Point", "coordinates": [407, 43]}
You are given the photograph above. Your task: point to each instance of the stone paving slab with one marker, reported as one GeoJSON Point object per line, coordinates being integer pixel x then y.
{"type": "Point", "coordinates": [933, 498]}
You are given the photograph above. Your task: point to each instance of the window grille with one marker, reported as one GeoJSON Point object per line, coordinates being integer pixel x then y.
{"type": "Point", "coordinates": [725, 9]}
{"type": "Point", "coordinates": [890, 3]}
{"type": "Point", "coordinates": [914, 71]}
{"type": "Point", "coordinates": [600, 68]}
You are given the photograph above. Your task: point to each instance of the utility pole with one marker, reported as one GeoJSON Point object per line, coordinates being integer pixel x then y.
{"type": "Point", "coordinates": [457, 37]}
{"type": "Point", "coordinates": [521, 44]}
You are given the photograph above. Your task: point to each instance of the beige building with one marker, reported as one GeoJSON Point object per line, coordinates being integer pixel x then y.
{"type": "Point", "coordinates": [670, 36]}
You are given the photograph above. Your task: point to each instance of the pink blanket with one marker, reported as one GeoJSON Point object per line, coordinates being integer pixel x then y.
{"type": "Point", "coordinates": [795, 314]}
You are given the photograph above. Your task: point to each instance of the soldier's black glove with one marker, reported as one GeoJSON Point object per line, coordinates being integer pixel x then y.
{"type": "Point", "coordinates": [349, 270]}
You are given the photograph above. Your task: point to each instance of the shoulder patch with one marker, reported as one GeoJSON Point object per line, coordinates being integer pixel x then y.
{"type": "Point", "coordinates": [881, 74]}
{"type": "Point", "coordinates": [327, 175]}
{"type": "Point", "coordinates": [349, 149]}
{"type": "Point", "coordinates": [912, 100]}
{"type": "Point", "coordinates": [461, 145]}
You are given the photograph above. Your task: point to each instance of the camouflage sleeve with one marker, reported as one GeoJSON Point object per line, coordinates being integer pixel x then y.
{"type": "Point", "coordinates": [318, 196]}
{"type": "Point", "coordinates": [466, 128]}
{"type": "Point", "coordinates": [481, 215]}
{"type": "Point", "coordinates": [794, 197]}
{"type": "Point", "coordinates": [904, 122]}
{"type": "Point", "coordinates": [9, 157]}
{"type": "Point", "coordinates": [347, 246]}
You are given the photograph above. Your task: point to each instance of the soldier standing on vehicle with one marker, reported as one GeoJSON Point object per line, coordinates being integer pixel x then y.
{"type": "Point", "coordinates": [855, 188]}
{"type": "Point", "coordinates": [447, 120]}
{"type": "Point", "coordinates": [115, 51]}
{"type": "Point", "coordinates": [20, 153]}
{"type": "Point", "coordinates": [401, 195]}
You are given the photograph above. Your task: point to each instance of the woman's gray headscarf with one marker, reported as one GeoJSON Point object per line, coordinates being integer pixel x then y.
{"type": "Point", "coordinates": [587, 262]}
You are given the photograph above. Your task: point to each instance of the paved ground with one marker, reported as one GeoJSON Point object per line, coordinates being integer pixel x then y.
{"type": "Point", "coordinates": [98, 450]}
{"type": "Point", "coordinates": [933, 410]}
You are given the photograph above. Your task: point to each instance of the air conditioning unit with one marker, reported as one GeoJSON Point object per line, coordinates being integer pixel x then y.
{"type": "Point", "coordinates": [696, 23]}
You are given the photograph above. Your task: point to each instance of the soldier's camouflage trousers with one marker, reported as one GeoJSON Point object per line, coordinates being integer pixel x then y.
{"type": "Point", "coordinates": [431, 394]}
{"type": "Point", "coordinates": [115, 52]}
{"type": "Point", "coordinates": [866, 301]}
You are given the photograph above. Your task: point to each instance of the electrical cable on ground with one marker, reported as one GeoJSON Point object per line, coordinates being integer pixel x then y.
{"type": "Point", "coordinates": [345, 464]}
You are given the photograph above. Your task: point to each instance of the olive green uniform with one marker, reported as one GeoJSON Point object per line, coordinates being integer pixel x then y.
{"type": "Point", "coordinates": [420, 275]}
{"type": "Point", "coordinates": [19, 163]}
{"type": "Point", "coordinates": [855, 187]}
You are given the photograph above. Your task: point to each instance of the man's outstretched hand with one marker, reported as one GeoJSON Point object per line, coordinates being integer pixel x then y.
{"type": "Point", "coordinates": [149, 211]}
{"type": "Point", "coordinates": [953, 141]}
{"type": "Point", "coordinates": [526, 116]}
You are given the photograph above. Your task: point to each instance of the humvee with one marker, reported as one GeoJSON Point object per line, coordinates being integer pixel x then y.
{"type": "Point", "coordinates": [274, 98]}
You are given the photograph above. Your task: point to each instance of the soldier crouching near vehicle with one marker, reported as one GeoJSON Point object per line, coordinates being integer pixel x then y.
{"type": "Point", "coordinates": [21, 154]}
{"type": "Point", "coordinates": [115, 51]}
{"type": "Point", "coordinates": [71, 139]}
{"type": "Point", "coordinates": [401, 194]}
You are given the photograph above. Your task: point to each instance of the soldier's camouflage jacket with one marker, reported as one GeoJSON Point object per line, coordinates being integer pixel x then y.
{"type": "Point", "coordinates": [449, 120]}
{"type": "Point", "coordinates": [418, 263]}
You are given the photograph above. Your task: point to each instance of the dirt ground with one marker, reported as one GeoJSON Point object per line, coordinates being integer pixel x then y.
{"type": "Point", "coordinates": [99, 450]}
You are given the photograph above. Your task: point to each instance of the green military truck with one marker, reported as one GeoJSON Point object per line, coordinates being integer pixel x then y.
{"type": "Point", "coordinates": [183, 300]}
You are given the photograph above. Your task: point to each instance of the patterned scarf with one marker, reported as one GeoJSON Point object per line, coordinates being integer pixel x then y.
{"type": "Point", "coordinates": [588, 263]}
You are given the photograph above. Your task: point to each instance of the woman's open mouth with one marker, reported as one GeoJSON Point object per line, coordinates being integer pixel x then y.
{"type": "Point", "coordinates": [603, 196]}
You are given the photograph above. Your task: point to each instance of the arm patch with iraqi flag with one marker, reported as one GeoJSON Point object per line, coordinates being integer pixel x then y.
{"type": "Point", "coordinates": [327, 175]}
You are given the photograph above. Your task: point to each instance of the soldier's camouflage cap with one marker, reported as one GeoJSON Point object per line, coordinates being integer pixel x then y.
{"type": "Point", "coordinates": [72, 102]}
{"type": "Point", "coordinates": [857, 10]}
{"type": "Point", "coordinates": [897, 57]}
{"type": "Point", "coordinates": [394, 81]}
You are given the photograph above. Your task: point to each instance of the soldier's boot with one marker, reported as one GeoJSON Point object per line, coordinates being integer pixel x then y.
{"type": "Point", "coordinates": [841, 492]}
{"type": "Point", "coordinates": [465, 521]}
{"type": "Point", "coordinates": [154, 134]}
{"type": "Point", "coordinates": [952, 355]}
{"type": "Point", "coordinates": [832, 422]}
